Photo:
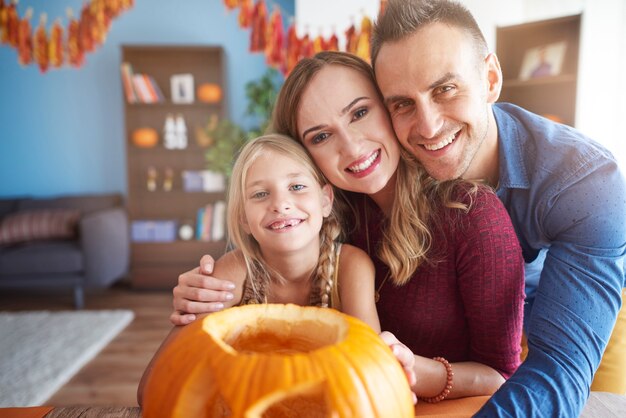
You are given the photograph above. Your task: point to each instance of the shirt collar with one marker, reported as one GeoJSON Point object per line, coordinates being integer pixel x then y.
{"type": "Point", "coordinates": [512, 169]}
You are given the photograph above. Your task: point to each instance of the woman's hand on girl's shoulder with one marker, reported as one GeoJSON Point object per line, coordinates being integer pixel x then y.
{"type": "Point", "coordinates": [205, 290]}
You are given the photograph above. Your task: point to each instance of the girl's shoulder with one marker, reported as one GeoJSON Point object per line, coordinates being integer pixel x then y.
{"type": "Point", "coordinates": [353, 258]}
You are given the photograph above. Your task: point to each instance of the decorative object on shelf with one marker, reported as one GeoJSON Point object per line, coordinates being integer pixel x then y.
{"type": "Point", "coordinates": [145, 137]}
{"type": "Point", "coordinates": [203, 181]}
{"type": "Point", "coordinates": [169, 133]}
{"type": "Point", "coordinates": [209, 93]}
{"type": "Point", "coordinates": [153, 231]}
{"type": "Point", "coordinates": [181, 132]}
{"type": "Point", "coordinates": [168, 179]}
{"type": "Point", "coordinates": [182, 88]}
{"type": "Point", "coordinates": [278, 360]}
{"type": "Point", "coordinates": [185, 231]}
{"type": "Point", "coordinates": [48, 50]}
{"type": "Point", "coordinates": [543, 61]}
{"type": "Point", "coordinates": [152, 175]}
{"type": "Point", "coordinates": [203, 139]}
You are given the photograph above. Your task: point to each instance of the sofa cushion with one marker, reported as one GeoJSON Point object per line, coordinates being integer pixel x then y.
{"type": "Point", "coordinates": [41, 257]}
{"type": "Point", "coordinates": [31, 225]}
{"type": "Point", "coordinates": [7, 206]}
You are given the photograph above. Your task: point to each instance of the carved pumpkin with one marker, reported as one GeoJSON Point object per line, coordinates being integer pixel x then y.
{"type": "Point", "coordinates": [209, 93]}
{"type": "Point", "coordinates": [273, 360]}
{"type": "Point", "coordinates": [145, 137]}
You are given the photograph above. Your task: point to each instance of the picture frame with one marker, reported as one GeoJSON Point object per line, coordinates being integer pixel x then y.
{"type": "Point", "coordinates": [543, 61]}
{"type": "Point", "coordinates": [182, 89]}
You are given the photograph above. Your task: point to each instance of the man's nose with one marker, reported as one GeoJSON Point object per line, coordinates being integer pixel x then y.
{"type": "Point", "coordinates": [428, 120]}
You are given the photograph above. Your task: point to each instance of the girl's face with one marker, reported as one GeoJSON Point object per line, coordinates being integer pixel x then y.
{"type": "Point", "coordinates": [346, 128]}
{"type": "Point", "coordinates": [284, 204]}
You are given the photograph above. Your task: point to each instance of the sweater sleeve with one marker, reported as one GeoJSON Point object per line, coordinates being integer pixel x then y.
{"type": "Point", "coordinates": [490, 271]}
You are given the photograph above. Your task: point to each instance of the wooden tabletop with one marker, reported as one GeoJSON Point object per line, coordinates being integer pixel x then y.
{"type": "Point", "coordinates": [600, 405]}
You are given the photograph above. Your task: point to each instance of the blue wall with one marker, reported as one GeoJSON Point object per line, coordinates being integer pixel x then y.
{"type": "Point", "coordinates": [62, 132]}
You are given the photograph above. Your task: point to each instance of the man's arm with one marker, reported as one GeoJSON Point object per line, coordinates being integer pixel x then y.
{"type": "Point", "coordinates": [576, 303]}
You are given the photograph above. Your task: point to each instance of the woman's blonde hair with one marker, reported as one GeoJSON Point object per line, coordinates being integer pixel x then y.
{"type": "Point", "coordinates": [259, 273]}
{"type": "Point", "coordinates": [418, 197]}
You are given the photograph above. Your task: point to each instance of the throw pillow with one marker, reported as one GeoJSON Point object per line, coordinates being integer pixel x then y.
{"type": "Point", "coordinates": [41, 224]}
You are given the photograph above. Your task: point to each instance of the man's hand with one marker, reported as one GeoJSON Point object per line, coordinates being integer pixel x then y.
{"type": "Point", "coordinates": [198, 292]}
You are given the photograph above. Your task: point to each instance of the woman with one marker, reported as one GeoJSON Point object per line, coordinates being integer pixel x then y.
{"type": "Point", "coordinates": [449, 271]}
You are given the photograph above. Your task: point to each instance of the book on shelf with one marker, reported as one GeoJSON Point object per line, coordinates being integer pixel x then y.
{"type": "Point", "coordinates": [210, 222]}
{"type": "Point", "coordinates": [127, 82]}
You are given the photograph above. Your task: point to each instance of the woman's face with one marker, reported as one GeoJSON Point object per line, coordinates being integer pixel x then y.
{"type": "Point", "coordinates": [347, 131]}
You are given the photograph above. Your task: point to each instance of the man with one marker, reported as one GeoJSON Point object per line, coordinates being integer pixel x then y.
{"type": "Point", "coordinates": [564, 193]}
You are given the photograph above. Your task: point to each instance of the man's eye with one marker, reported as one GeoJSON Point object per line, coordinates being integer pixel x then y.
{"type": "Point", "coordinates": [319, 138]}
{"type": "Point", "coordinates": [444, 89]}
{"type": "Point", "coordinates": [400, 105]}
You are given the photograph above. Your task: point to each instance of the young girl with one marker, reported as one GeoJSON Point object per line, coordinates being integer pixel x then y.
{"type": "Point", "coordinates": [284, 230]}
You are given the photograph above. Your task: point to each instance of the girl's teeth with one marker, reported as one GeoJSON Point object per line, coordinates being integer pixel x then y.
{"type": "Point", "coordinates": [285, 223]}
{"type": "Point", "coordinates": [364, 165]}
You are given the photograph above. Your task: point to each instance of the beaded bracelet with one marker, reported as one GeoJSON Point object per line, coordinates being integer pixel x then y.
{"type": "Point", "coordinates": [446, 390]}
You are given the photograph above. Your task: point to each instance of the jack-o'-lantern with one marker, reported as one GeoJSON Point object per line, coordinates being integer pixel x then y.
{"type": "Point", "coordinates": [209, 93]}
{"type": "Point", "coordinates": [145, 137]}
{"type": "Point", "coordinates": [273, 360]}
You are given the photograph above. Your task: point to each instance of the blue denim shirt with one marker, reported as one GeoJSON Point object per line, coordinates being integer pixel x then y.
{"type": "Point", "coordinates": [567, 199]}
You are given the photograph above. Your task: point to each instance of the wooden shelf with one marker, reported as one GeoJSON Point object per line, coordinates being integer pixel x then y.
{"type": "Point", "coordinates": [158, 264]}
{"type": "Point", "coordinates": [549, 95]}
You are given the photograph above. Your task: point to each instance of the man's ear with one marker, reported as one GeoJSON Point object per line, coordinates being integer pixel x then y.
{"type": "Point", "coordinates": [328, 197]}
{"type": "Point", "coordinates": [494, 77]}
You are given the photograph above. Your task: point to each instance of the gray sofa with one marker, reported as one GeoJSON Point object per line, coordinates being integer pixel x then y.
{"type": "Point", "coordinates": [94, 257]}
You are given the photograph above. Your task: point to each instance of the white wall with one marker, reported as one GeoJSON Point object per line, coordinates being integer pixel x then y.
{"type": "Point", "coordinates": [601, 107]}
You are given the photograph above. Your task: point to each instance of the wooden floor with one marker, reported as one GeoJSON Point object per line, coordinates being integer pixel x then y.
{"type": "Point", "coordinates": [111, 378]}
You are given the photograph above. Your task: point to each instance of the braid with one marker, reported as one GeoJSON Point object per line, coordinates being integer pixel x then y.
{"type": "Point", "coordinates": [326, 266]}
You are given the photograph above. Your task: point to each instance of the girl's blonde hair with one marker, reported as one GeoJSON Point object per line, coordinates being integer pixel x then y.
{"type": "Point", "coordinates": [407, 232]}
{"type": "Point", "coordinates": [259, 273]}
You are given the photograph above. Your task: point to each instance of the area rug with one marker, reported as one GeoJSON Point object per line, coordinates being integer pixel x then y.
{"type": "Point", "coordinates": [40, 350]}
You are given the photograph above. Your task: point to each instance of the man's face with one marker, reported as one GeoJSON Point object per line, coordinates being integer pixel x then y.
{"type": "Point", "coordinates": [438, 92]}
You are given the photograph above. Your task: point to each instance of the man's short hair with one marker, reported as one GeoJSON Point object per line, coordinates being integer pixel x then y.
{"type": "Point", "coordinates": [402, 18]}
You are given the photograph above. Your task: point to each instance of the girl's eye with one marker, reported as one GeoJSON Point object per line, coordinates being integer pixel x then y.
{"type": "Point", "coordinates": [359, 113]}
{"type": "Point", "coordinates": [298, 187]}
{"type": "Point", "coordinates": [319, 138]}
{"type": "Point", "coordinates": [259, 195]}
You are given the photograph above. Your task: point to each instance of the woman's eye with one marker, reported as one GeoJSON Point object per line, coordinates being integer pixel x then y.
{"type": "Point", "coordinates": [359, 113]}
{"type": "Point", "coordinates": [319, 138]}
{"type": "Point", "coordinates": [298, 187]}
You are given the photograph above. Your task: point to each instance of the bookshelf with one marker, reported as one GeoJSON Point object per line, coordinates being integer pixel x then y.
{"type": "Point", "coordinates": [520, 48]}
{"type": "Point", "coordinates": [159, 200]}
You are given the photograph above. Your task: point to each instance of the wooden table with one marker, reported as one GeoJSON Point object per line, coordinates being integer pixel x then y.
{"type": "Point", "coordinates": [600, 405]}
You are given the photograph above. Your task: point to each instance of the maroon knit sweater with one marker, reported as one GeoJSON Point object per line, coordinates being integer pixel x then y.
{"type": "Point", "coordinates": [468, 304]}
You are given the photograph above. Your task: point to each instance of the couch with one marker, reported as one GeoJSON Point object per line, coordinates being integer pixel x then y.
{"type": "Point", "coordinates": [77, 242]}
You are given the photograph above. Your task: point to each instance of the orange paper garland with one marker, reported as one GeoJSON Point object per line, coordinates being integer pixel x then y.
{"type": "Point", "coordinates": [60, 45]}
